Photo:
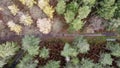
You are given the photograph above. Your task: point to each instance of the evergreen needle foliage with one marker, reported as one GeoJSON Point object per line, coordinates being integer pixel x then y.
{"type": "Point", "coordinates": [115, 48]}
{"type": "Point", "coordinates": [83, 12]}
{"type": "Point", "coordinates": [27, 62]}
{"type": "Point", "coordinates": [106, 59]}
{"type": "Point", "coordinates": [44, 53]}
{"type": "Point", "coordinates": [71, 65]}
{"type": "Point", "coordinates": [52, 64]}
{"type": "Point", "coordinates": [117, 12]}
{"type": "Point", "coordinates": [69, 51]}
{"type": "Point", "coordinates": [89, 2]}
{"type": "Point", "coordinates": [107, 9]}
{"type": "Point", "coordinates": [2, 63]}
{"type": "Point", "coordinates": [118, 62]}
{"type": "Point", "coordinates": [31, 44]}
{"type": "Point", "coordinates": [81, 44]}
{"type": "Point", "coordinates": [76, 25]}
{"type": "Point", "coordinates": [73, 6]}
{"type": "Point", "coordinates": [69, 16]}
{"type": "Point", "coordinates": [74, 12]}
{"type": "Point", "coordinates": [8, 49]}
{"type": "Point", "coordinates": [98, 65]}
{"type": "Point", "coordinates": [114, 24]}
{"type": "Point", "coordinates": [87, 63]}
{"type": "Point", "coordinates": [61, 5]}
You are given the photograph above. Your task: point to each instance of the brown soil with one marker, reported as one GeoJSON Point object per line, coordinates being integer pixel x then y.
{"type": "Point", "coordinates": [55, 48]}
{"type": "Point", "coordinates": [1, 16]}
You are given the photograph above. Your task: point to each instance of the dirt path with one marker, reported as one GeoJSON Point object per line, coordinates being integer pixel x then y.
{"type": "Point", "coordinates": [53, 35]}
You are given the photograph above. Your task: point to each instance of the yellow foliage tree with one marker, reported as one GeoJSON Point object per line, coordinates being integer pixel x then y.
{"type": "Point", "coordinates": [47, 9]}
{"type": "Point", "coordinates": [26, 19]}
{"type": "Point", "coordinates": [13, 9]}
{"type": "Point", "coordinates": [28, 3]}
{"type": "Point", "coordinates": [14, 27]}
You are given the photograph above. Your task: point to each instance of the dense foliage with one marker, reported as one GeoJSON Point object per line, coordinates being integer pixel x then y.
{"type": "Point", "coordinates": [44, 53]}
{"type": "Point", "coordinates": [107, 9]}
{"type": "Point", "coordinates": [106, 59]}
{"type": "Point", "coordinates": [76, 14]}
{"type": "Point", "coordinates": [75, 11]}
{"type": "Point", "coordinates": [117, 12]}
{"type": "Point", "coordinates": [31, 45]}
{"type": "Point", "coordinates": [7, 50]}
{"type": "Point", "coordinates": [60, 9]}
